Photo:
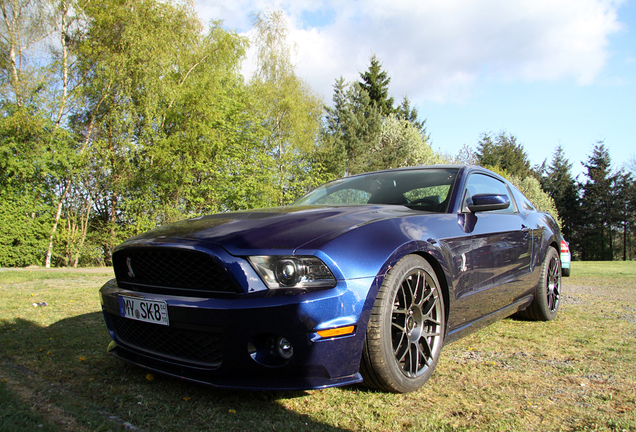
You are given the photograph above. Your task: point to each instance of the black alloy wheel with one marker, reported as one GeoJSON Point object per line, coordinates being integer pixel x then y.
{"type": "Point", "coordinates": [545, 305]}
{"type": "Point", "coordinates": [406, 329]}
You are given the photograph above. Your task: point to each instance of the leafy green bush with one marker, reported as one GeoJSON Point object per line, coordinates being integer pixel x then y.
{"type": "Point", "coordinates": [531, 188]}
{"type": "Point", "coordinates": [23, 232]}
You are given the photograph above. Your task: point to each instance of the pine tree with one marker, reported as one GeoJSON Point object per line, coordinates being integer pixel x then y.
{"type": "Point", "coordinates": [625, 192]}
{"type": "Point", "coordinates": [350, 131]}
{"type": "Point", "coordinates": [375, 82]}
{"type": "Point", "coordinates": [362, 124]}
{"type": "Point", "coordinates": [503, 152]}
{"type": "Point", "coordinates": [331, 156]}
{"type": "Point", "coordinates": [410, 114]}
{"type": "Point", "coordinates": [598, 206]}
{"type": "Point", "coordinates": [557, 181]}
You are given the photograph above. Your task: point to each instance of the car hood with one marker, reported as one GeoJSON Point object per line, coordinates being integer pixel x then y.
{"type": "Point", "coordinates": [286, 228]}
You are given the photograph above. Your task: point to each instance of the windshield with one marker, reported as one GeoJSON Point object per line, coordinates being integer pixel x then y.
{"type": "Point", "coordinates": [424, 189]}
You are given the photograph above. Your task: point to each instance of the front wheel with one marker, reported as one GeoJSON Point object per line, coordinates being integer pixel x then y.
{"type": "Point", "coordinates": [547, 294]}
{"type": "Point", "coordinates": [406, 328]}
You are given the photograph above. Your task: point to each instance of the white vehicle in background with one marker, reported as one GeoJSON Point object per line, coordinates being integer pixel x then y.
{"type": "Point", "coordinates": [565, 258]}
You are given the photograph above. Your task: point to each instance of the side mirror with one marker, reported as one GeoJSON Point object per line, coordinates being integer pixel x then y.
{"type": "Point", "coordinates": [488, 202]}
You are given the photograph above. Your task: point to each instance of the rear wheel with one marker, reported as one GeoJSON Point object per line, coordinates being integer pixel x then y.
{"type": "Point", "coordinates": [545, 305]}
{"type": "Point", "coordinates": [406, 328]}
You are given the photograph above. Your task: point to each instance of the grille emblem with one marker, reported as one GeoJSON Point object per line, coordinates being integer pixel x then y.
{"type": "Point", "coordinates": [131, 274]}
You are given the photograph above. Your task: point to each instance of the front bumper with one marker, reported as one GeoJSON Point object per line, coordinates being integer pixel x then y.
{"type": "Point", "coordinates": [229, 342]}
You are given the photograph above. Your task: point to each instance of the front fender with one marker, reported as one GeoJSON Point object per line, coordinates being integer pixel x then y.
{"type": "Point", "coordinates": [373, 249]}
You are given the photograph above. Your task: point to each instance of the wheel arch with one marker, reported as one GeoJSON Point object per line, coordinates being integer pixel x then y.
{"type": "Point", "coordinates": [392, 243]}
{"type": "Point", "coordinates": [553, 242]}
{"type": "Point", "coordinates": [428, 251]}
{"type": "Point", "coordinates": [441, 278]}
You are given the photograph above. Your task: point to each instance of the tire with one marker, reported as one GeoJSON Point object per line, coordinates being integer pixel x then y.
{"type": "Point", "coordinates": [545, 305]}
{"type": "Point", "coordinates": [406, 328]}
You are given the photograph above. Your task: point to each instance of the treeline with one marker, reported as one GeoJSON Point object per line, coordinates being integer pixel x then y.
{"type": "Point", "coordinates": [120, 116]}
{"type": "Point", "coordinates": [596, 214]}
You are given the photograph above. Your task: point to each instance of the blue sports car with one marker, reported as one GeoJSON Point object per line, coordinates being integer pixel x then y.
{"type": "Point", "coordinates": [364, 278]}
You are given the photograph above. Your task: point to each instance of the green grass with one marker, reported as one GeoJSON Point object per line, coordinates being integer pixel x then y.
{"type": "Point", "coordinates": [16, 416]}
{"type": "Point", "coordinates": [14, 276]}
{"type": "Point", "coordinates": [605, 269]}
{"type": "Point", "coordinates": [574, 373]}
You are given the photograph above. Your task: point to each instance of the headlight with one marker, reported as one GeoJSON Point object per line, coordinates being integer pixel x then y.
{"type": "Point", "coordinates": [293, 272]}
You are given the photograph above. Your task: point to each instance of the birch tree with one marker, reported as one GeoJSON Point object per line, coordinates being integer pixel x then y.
{"type": "Point", "coordinates": [290, 109]}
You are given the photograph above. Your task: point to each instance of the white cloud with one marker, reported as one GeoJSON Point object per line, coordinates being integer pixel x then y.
{"type": "Point", "coordinates": [436, 50]}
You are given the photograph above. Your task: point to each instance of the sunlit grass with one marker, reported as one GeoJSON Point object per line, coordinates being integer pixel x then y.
{"type": "Point", "coordinates": [604, 269]}
{"type": "Point", "coordinates": [40, 276]}
{"type": "Point", "coordinates": [574, 373]}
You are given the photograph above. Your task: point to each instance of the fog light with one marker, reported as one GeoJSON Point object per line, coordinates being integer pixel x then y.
{"type": "Point", "coordinates": [284, 348]}
{"type": "Point", "coordinates": [270, 350]}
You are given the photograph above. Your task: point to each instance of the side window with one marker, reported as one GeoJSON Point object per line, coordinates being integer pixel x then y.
{"type": "Point", "coordinates": [481, 183]}
{"type": "Point", "coordinates": [523, 202]}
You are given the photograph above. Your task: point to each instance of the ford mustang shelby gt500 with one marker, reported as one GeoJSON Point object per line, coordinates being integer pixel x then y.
{"type": "Point", "coordinates": [365, 277]}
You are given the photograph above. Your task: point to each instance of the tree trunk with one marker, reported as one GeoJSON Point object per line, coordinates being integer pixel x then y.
{"type": "Point", "coordinates": [624, 240]}
{"type": "Point", "coordinates": [84, 229]}
{"type": "Point", "coordinates": [89, 132]}
{"type": "Point", "coordinates": [49, 251]}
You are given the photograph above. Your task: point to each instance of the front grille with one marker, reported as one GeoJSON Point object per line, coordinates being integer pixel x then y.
{"type": "Point", "coordinates": [194, 346]}
{"type": "Point", "coordinates": [186, 272]}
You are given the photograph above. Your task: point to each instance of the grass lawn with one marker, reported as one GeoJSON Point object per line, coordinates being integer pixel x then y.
{"type": "Point", "coordinates": [574, 373]}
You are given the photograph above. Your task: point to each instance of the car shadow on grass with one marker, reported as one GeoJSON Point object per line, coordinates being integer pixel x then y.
{"type": "Point", "coordinates": [70, 355]}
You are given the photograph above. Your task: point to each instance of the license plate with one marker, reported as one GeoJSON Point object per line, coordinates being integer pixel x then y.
{"type": "Point", "coordinates": [151, 311]}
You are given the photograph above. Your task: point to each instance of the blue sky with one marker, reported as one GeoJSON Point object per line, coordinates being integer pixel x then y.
{"type": "Point", "coordinates": [548, 71]}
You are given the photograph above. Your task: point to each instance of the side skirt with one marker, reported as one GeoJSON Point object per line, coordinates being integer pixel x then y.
{"type": "Point", "coordinates": [485, 321]}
